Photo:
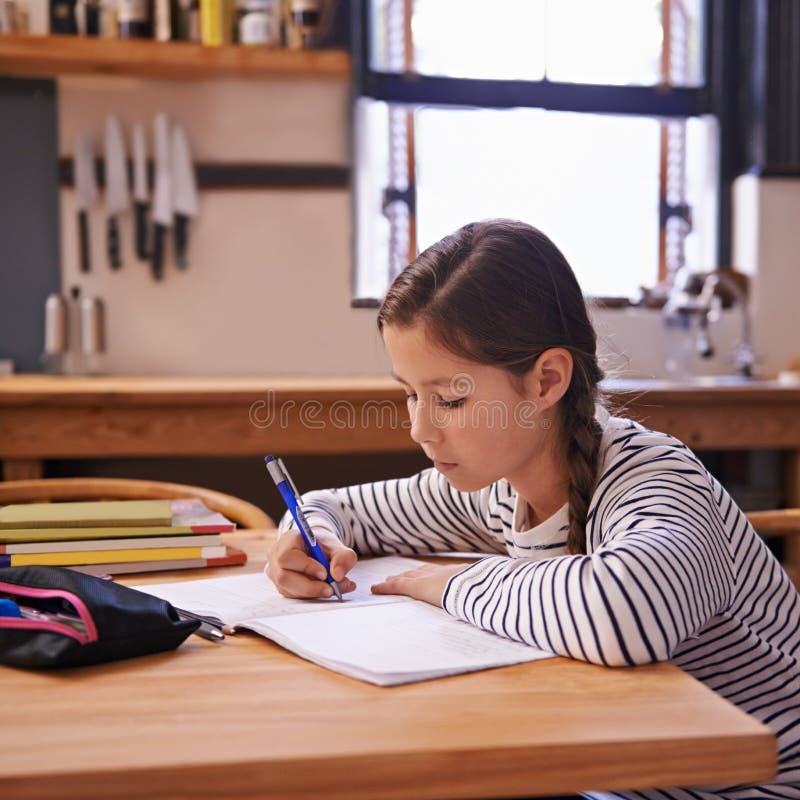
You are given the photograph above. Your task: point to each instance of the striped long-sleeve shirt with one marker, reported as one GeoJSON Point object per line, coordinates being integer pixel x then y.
{"type": "Point", "coordinates": [673, 571]}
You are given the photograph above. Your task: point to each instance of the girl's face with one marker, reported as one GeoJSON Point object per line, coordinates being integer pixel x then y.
{"type": "Point", "coordinates": [469, 418]}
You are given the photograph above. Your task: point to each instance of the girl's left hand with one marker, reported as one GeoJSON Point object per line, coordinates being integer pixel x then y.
{"type": "Point", "coordinates": [426, 583]}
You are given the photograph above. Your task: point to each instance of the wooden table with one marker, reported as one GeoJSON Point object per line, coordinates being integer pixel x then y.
{"type": "Point", "coordinates": [61, 417]}
{"type": "Point", "coordinates": [245, 719]}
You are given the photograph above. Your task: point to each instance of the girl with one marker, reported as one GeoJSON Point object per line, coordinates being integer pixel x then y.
{"type": "Point", "coordinates": [610, 543]}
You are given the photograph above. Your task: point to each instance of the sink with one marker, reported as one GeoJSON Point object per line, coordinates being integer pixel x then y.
{"type": "Point", "coordinates": [631, 383]}
{"type": "Point", "coordinates": [716, 380]}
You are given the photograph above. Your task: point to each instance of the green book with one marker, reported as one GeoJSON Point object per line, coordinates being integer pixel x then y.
{"type": "Point", "coordinates": [186, 516]}
{"type": "Point", "coordinates": [93, 514]}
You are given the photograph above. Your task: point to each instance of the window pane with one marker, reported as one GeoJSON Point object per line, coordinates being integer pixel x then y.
{"type": "Point", "coordinates": [475, 39]}
{"type": "Point", "coordinates": [619, 42]}
{"type": "Point", "coordinates": [461, 38]}
{"type": "Point", "coordinates": [371, 151]}
{"type": "Point", "coordinates": [387, 35]}
{"type": "Point", "coordinates": [616, 42]}
{"type": "Point", "coordinates": [590, 182]}
{"type": "Point", "coordinates": [702, 193]}
{"type": "Point", "coordinates": [687, 42]}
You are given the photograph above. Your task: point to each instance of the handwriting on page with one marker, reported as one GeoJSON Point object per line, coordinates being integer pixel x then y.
{"type": "Point", "coordinates": [404, 637]}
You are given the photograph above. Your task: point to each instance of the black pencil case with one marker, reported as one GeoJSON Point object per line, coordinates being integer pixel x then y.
{"type": "Point", "coordinates": [72, 619]}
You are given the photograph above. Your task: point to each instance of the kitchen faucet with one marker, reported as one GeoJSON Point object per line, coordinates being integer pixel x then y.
{"type": "Point", "coordinates": [704, 301]}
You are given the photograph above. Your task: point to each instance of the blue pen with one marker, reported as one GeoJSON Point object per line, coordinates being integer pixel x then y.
{"type": "Point", "coordinates": [279, 474]}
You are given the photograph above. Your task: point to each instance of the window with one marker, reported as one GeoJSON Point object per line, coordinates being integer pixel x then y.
{"type": "Point", "coordinates": [587, 119]}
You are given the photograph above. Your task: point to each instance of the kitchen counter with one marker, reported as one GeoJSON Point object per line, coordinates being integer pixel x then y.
{"type": "Point", "coordinates": [45, 417]}
{"type": "Point", "coordinates": [124, 416]}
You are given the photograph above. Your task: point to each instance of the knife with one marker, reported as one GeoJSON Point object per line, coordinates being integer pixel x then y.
{"type": "Point", "coordinates": [116, 187]}
{"type": "Point", "coordinates": [184, 202]}
{"type": "Point", "coordinates": [85, 192]}
{"type": "Point", "coordinates": [162, 196]}
{"type": "Point", "coordinates": [140, 197]}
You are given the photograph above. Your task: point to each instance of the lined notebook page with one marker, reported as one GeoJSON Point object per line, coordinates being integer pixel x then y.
{"type": "Point", "coordinates": [383, 639]}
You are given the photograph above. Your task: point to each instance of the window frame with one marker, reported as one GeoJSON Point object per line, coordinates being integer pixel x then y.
{"type": "Point", "coordinates": [714, 97]}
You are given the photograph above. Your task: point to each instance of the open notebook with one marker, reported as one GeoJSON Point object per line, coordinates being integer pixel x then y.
{"type": "Point", "coordinates": [381, 639]}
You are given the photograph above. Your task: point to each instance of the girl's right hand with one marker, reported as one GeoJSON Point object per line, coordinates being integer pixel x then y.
{"type": "Point", "coordinates": [296, 574]}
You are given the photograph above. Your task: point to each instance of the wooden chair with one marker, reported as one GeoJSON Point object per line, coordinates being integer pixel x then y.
{"type": "Point", "coordinates": [244, 514]}
{"type": "Point", "coordinates": [784, 522]}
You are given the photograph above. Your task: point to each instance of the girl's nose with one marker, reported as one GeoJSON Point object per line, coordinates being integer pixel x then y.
{"type": "Point", "coordinates": [423, 426]}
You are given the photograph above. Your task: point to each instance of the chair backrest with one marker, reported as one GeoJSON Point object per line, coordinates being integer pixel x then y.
{"type": "Point", "coordinates": [244, 514]}
{"type": "Point", "coordinates": [784, 523]}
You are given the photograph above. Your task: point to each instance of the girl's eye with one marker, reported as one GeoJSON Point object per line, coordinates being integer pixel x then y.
{"type": "Point", "coordinates": [412, 398]}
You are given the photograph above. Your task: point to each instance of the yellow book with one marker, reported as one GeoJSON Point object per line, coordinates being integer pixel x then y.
{"type": "Point", "coordinates": [90, 514]}
{"type": "Point", "coordinates": [110, 556]}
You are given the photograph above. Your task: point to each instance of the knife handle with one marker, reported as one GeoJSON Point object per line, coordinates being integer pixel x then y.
{"type": "Point", "coordinates": [180, 242]}
{"type": "Point", "coordinates": [83, 239]}
{"type": "Point", "coordinates": [113, 243]}
{"type": "Point", "coordinates": [141, 231]}
{"type": "Point", "coordinates": [157, 253]}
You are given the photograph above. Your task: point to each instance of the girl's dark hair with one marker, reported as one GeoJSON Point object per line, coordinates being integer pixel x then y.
{"type": "Point", "coordinates": [500, 292]}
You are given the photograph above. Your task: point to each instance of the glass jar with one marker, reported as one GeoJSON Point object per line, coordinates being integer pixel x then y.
{"type": "Point", "coordinates": [260, 23]}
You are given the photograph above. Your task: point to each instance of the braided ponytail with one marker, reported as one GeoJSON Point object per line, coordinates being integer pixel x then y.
{"type": "Point", "coordinates": [582, 433]}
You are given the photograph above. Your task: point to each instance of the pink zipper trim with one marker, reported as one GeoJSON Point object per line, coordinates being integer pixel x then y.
{"type": "Point", "coordinates": [80, 606]}
{"type": "Point", "coordinates": [35, 624]}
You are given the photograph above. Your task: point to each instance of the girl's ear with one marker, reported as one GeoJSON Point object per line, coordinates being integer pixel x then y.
{"type": "Point", "coordinates": [548, 379]}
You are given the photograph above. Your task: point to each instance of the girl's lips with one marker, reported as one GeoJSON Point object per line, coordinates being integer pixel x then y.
{"type": "Point", "coordinates": [444, 466]}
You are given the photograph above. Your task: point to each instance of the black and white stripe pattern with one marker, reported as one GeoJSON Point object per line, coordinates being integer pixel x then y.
{"type": "Point", "coordinates": [673, 572]}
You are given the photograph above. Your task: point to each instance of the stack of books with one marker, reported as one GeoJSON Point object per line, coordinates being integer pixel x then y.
{"type": "Point", "coordinates": [113, 537]}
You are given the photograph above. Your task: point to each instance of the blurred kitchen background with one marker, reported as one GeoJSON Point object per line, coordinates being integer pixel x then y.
{"type": "Point", "coordinates": [656, 141]}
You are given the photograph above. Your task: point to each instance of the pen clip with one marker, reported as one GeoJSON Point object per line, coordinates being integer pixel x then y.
{"type": "Point", "coordinates": [288, 478]}
{"type": "Point", "coordinates": [303, 523]}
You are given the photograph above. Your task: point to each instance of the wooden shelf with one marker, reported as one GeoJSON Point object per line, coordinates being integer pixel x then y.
{"type": "Point", "coordinates": [52, 56]}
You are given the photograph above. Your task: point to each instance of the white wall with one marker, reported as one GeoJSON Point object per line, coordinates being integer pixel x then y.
{"type": "Point", "coordinates": [268, 287]}
{"type": "Point", "coordinates": [766, 245]}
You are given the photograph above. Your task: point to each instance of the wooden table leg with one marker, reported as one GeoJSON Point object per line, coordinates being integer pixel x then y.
{"type": "Point", "coordinates": [20, 469]}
